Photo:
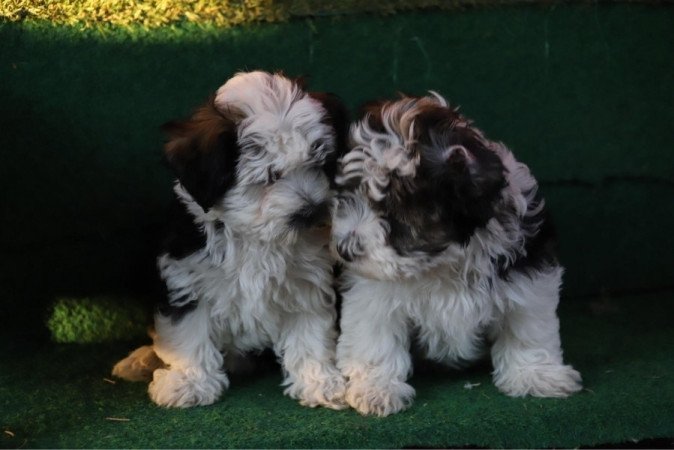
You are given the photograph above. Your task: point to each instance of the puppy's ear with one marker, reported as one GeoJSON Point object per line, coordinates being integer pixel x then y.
{"type": "Point", "coordinates": [372, 112]}
{"type": "Point", "coordinates": [300, 81]}
{"type": "Point", "coordinates": [202, 151]}
{"type": "Point", "coordinates": [459, 162]}
{"type": "Point", "coordinates": [338, 119]}
{"type": "Point", "coordinates": [477, 170]}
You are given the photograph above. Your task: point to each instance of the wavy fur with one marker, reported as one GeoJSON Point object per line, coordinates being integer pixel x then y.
{"type": "Point", "coordinates": [446, 245]}
{"type": "Point", "coordinates": [252, 275]}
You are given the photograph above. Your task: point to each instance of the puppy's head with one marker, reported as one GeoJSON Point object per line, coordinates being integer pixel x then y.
{"type": "Point", "coordinates": [256, 155]}
{"type": "Point", "coordinates": [417, 180]}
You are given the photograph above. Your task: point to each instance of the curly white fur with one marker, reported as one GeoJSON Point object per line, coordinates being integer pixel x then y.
{"type": "Point", "coordinates": [258, 282]}
{"type": "Point", "coordinates": [453, 302]}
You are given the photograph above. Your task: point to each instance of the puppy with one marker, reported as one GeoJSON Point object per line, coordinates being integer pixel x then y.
{"type": "Point", "coordinates": [246, 264]}
{"type": "Point", "coordinates": [445, 242]}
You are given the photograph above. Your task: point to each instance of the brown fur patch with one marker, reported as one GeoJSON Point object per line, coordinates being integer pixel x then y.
{"type": "Point", "coordinates": [203, 152]}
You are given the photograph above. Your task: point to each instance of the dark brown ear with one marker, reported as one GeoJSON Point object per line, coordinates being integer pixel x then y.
{"type": "Point", "coordinates": [338, 120]}
{"type": "Point", "coordinates": [202, 151]}
{"type": "Point", "coordinates": [300, 81]}
{"type": "Point", "coordinates": [372, 110]}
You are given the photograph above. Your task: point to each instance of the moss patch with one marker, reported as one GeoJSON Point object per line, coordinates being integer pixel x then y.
{"type": "Point", "coordinates": [95, 320]}
{"type": "Point", "coordinates": [220, 13]}
{"type": "Point", "coordinates": [150, 13]}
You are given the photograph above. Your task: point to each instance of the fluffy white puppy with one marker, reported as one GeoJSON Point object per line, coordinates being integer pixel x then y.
{"type": "Point", "coordinates": [246, 264]}
{"type": "Point", "coordinates": [446, 244]}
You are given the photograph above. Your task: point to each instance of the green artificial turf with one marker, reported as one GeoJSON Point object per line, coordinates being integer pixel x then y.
{"type": "Point", "coordinates": [57, 396]}
{"type": "Point", "coordinates": [93, 320]}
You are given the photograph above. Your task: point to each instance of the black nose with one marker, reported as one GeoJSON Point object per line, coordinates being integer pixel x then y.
{"type": "Point", "coordinates": [311, 215]}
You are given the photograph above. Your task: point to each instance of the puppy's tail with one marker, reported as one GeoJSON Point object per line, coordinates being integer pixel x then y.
{"type": "Point", "coordinates": [140, 364]}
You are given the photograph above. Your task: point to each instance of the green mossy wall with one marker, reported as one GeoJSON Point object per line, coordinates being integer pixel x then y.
{"type": "Point", "coordinates": [581, 93]}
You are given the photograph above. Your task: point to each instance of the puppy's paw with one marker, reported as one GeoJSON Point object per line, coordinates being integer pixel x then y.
{"type": "Point", "coordinates": [380, 398]}
{"type": "Point", "coordinates": [187, 387]}
{"type": "Point", "coordinates": [139, 365]}
{"type": "Point", "coordinates": [327, 390]}
{"type": "Point", "coordinates": [539, 381]}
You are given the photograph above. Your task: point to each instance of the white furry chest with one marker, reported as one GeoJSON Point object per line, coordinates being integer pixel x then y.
{"type": "Point", "coordinates": [247, 296]}
{"type": "Point", "coordinates": [442, 301]}
{"type": "Point", "coordinates": [449, 319]}
{"type": "Point", "coordinates": [255, 287]}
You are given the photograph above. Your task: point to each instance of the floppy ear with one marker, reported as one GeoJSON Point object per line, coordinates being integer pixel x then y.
{"type": "Point", "coordinates": [457, 152]}
{"type": "Point", "coordinates": [372, 112]}
{"type": "Point", "coordinates": [202, 151]}
{"type": "Point", "coordinates": [338, 119]}
{"type": "Point", "coordinates": [457, 161]}
{"type": "Point", "coordinates": [300, 81]}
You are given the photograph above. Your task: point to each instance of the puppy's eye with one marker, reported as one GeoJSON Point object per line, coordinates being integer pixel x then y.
{"type": "Point", "coordinates": [255, 150]}
{"type": "Point", "coordinates": [316, 147]}
{"type": "Point", "coordinates": [272, 175]}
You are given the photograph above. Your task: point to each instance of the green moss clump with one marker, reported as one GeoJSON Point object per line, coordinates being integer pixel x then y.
{"type": "Point", "coordinates": [149, 13]}
{"type": "Point", "coordinates": [219, 13]}
{"type": "Point", "coordinates": [96, 319]}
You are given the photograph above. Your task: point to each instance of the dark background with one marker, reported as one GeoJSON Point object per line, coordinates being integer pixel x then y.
{"type": "Point", "coordinates": [582, 94]}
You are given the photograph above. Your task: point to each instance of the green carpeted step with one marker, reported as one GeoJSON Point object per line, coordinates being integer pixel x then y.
{"type": "Point", "coordinates": [61, 396]}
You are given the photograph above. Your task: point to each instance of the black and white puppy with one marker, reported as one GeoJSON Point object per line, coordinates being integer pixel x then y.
{"type": "Point", "coordinates": [446, 242]}
{"type": "Point", "coordinates": [247, 265]}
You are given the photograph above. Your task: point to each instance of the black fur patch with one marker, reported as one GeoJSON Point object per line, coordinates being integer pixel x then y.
{"type": "Point", "coordinates": [337, 270]}
{"type": "Point", "coordinates": [203, 153]}
{"type": "Point", "coordinates": [540, 246]}
{"type": "Point", "coordinates": [168, 308]}
{"type": "Point", "coordinates": [311, 215]}
{"type": "Point", "coordinates": [182, 237]}
{"type": "Point", "coordinates": [350, 248]}
{"type": "Point", "coordinates": [450, 197]}
{"type": "Point", "coordinates": [338, 119]}
{"type": "Point", "coordinates": [372, 112]}
{"type": "Point", "coordinates": [176, 313]}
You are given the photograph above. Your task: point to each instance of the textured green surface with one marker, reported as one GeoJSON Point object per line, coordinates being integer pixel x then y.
{"type": "Point", "coordinates": [582, 93]}
{"type": "Point", "coordinates": [148, 13]}
{"type": "Point", "coordinates": [223, 13]}
{"type": "Point", "coordinates": [55, 396]}
{"type": "Point", "coordinates": [95, 320]}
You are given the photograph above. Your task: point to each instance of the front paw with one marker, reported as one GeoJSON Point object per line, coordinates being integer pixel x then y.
{"type": "Point", "coordinates": [539, 381]}
{"type": "Point", "coordinates": [185, 388]}
{"type": "Point", "coordinates": [379, 398]}
{"type": "Point", "coordinates": [327, 391]}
